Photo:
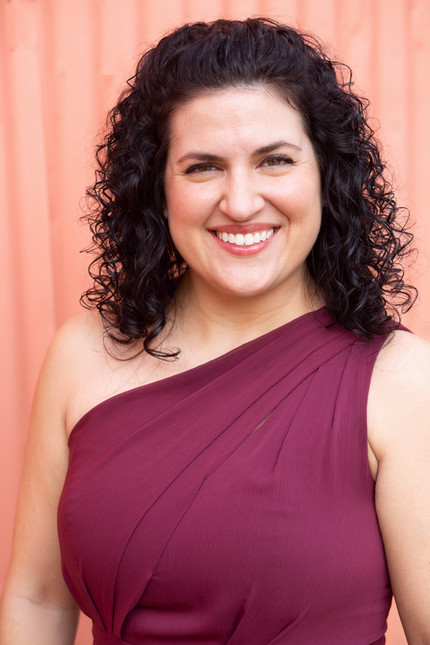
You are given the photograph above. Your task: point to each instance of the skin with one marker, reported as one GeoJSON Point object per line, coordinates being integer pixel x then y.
{"type": "Point", "coordinates": [240, 161]}
{"type": "Point", "coordinates": [399, 438]}
{"type": "Point", "coordinates": [225, 300]}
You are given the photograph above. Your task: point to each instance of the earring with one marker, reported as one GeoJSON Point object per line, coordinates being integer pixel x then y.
{"type": "Point", "coordinates": [172, 253]}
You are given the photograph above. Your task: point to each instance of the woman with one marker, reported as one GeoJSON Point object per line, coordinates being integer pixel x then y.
{"type": "Point", "coordinates": [238, 437]}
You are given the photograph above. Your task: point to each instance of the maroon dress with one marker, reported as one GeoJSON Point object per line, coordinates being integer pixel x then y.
{"type": "Point", "coordinates": [232, 503]}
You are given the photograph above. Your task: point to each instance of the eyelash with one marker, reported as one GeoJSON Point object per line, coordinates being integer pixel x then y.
{"type": "Point", "coordinates": [207, 166]}
{"type": "Point", "coordinates": [200, 167]}
{"type": "Point", "coordinates": [278, 158]}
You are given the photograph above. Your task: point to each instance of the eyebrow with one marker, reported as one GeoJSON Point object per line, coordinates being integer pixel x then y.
{"type": "Point", "coordinates": [260, 151]}
{"type": "Point", "coordinates": [274, 146]}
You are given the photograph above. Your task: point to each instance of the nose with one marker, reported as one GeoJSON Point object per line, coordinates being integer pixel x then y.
{"type": "Point", "coordinates": [241, 200]}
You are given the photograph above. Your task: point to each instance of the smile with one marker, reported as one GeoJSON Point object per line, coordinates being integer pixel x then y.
{"type": "Point", "coordinates": [245, 240]}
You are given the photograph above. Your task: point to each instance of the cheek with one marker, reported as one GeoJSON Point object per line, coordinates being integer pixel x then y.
{"type": "Point", "coordinates": [189, 207]}
{"type": "Point", "coordinates": [302, 207]}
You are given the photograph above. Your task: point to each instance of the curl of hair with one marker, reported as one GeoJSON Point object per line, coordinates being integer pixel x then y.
{"type": "Point", "coordinates": [355, 260]}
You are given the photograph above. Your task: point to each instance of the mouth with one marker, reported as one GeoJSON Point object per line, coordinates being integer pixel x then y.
{"type": "Point", "coordinates": [245, 239]}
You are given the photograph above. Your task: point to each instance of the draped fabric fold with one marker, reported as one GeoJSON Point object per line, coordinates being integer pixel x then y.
{"type": "Point", "coordinates": [232, 503]}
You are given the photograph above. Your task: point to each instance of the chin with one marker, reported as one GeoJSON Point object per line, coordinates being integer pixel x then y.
{"type": "Point", "coordinates": [246, 292]}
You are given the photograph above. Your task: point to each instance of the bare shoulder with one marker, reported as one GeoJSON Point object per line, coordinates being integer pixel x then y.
{"type": "Point", "coordinates": [399, 436]}
{"type": "Point", "coordinates": [35, 571]}
{"type": "Point", "coordinates": [399, 397]}
{"type": "Point", "coordinates": [69, 346]}
{"type": "Point", "coordinates": [94, 367]}
{"type": "Point", "coordinates": [74, 350]}
{"type": "Point", "coordinates": [404, 354]}
{"type": "Point", "coordinates": [78, 335]}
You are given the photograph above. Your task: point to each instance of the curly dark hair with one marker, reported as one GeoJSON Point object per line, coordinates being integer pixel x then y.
{"type": "Point", "coordinates": [355, 260]}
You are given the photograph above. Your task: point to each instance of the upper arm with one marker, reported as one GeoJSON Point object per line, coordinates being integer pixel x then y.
{"type": "Point", "coordinates": [35, 570]}
{"type": "Point", "coordinates": [399, 433]}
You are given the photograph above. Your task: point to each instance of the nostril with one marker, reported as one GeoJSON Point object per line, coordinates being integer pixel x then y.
{"type": "Point", "coordinates": [242, 206]}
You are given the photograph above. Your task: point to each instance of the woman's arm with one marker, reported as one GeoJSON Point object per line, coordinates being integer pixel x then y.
{"type": "Point", "coordinates": [36, 606]}
{"type": "Point", "coordinates": [399, 435]}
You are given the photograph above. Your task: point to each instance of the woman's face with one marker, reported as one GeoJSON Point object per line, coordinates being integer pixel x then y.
{"type": "Point", "coordinates": [243, 192]}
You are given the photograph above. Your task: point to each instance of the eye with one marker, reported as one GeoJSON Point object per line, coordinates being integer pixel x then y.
{"type": "Point", "coordinates": [275, 161]}
{"type": "Point", "coordinates": [203, 167]}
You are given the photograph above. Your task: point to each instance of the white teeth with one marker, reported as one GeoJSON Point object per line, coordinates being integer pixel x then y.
{"type": "Point", "coordinates": [245, 240]}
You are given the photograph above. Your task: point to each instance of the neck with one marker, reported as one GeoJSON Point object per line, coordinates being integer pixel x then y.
{"type": "Point", "coordinates": [222, 321]}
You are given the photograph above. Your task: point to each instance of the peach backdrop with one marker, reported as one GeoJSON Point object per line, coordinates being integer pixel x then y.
{"type": "Point", "coordinates": [62, 64]}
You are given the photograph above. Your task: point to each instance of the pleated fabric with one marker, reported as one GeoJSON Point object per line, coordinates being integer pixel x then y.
{"type": "Point", "coordinates": [233, 502]}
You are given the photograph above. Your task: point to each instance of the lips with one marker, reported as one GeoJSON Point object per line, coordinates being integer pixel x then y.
{"type": "Point", "coordinates": [245, 238]}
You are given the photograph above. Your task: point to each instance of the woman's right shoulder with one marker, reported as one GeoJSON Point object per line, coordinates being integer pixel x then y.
{"type": "Point", "coordinates": [75, 342]}
{"type": "Point", "coordinates": [85, 329]}
{"type": "Point", "coordinates": [73, 354]}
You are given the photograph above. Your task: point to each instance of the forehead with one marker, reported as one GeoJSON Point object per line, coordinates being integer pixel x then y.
{"type": "Point", "coordinates": [235, 114]}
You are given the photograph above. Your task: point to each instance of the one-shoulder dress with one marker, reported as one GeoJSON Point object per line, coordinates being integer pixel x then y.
{"type": "Point", "coordinates": [232, 503]}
